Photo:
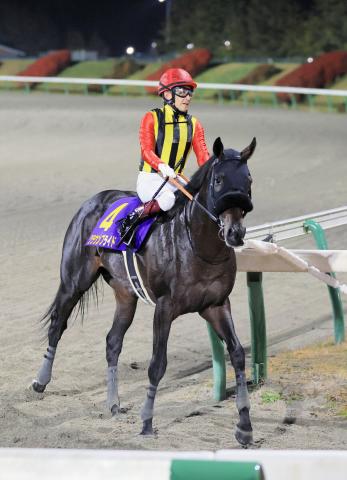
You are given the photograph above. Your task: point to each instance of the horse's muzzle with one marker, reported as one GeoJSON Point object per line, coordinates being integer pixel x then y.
{"type": "Point", "coordinates": [234, 235]}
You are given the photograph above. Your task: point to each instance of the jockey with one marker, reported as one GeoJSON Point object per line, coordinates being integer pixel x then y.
{"type": "Point", "coordinates": [166, 137]}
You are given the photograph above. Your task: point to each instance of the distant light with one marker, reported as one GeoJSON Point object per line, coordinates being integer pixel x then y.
{"type": "Point", "coordinates": [227, 43]}
{"type": "Point", "coordinates": [154, 45]}
{"type": "Point", "coordinates": [130, 50]}
{"type": "Point", "coordinates": [309, 60]}
{"type": "Point", "coordinates": [190, 46]}
{"type": "Point", "coordinates": [161, 1]}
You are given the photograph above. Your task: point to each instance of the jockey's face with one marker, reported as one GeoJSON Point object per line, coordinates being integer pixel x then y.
{"type": "Point", "coordinates": [181, 103]}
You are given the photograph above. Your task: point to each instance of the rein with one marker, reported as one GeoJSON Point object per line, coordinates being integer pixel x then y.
{"type": "Point", "coordinates": [188, 230]}
{"type": "Point", "coordinates": [194, 200]}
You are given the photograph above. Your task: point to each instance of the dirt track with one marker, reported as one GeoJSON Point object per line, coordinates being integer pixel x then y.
{"type": "Point", "coordinates": [56, 151]}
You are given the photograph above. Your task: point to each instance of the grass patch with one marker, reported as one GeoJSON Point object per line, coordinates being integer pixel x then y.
{"type": "Point", "coordinates": [87, 69]}
{"type": "Point", "coordinates": [139, 75]}
{"type": "Point", "coordinates": [318, 372]}
{"type": "Point", "coordinates": [343, 412]}
{"type": "Point", "coordinates": [12, 67]}
{"type": "Point", "coordinates": [333, 103]}
{"type": "Point", "coordinates": [270, 396]}
{"type": "Point", "coordinates": [226, 73]}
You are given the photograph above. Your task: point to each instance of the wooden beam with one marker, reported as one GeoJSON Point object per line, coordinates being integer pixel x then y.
{"type": "Point", "coordinates": [249, 260]}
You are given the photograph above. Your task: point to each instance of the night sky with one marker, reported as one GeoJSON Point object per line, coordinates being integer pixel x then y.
{"type": "Point", "coordinates": [118, 23]}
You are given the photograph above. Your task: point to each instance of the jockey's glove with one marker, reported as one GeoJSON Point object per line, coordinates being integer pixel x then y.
{"type": "Point", "coordinates": [166, 170]}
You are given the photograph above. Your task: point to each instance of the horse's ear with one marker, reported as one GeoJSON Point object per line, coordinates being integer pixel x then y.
{"type": "Point", "coordinates": [218, 148]}
{"type": "Point", "coordinates": [248, 151]}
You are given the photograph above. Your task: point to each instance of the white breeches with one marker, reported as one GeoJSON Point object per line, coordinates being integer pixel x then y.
{"type": "Point", "coordinates": [148, 184]}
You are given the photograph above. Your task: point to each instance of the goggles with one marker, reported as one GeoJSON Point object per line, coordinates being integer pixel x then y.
{"type": "Point", "coordinates": [183, 91]}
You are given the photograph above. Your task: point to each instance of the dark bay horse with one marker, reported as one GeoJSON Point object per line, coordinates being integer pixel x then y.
{"type": "Point", "coordinates": [187, 265]}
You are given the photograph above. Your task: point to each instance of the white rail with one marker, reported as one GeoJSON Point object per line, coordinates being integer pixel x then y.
{"type": "Point", "coordinates": [34, 463]}
{"type": "Point", "coordinates": [149, 83]}
{"type": "Point", "coordinates": [294, 227]}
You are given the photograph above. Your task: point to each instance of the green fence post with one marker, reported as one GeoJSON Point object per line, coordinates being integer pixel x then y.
{"type": "Point", "coordinates": [258, 326]}
{"type": "Point", "coordinates": [244, 99]}
{"type": "Point", "coordinates": [293, 102]}
{"type": "Point", "coordinates": [185, 469]}
{"type": "Point", "coordinates": [330, 104]}
{"type": "Point", "coordinates": [218, 362]}
{"type": "Point", "coordinates": [321, 242]}
{"type": "Point", "coordinates": [310, 99]}
{"type": "Point", "coordinates": [274, 99]}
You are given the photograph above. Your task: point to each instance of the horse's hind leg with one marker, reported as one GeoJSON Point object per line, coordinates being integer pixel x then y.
{"type": "Point", "coordinates": [221, 320]}
{"type": "Point", "coordinates": [126, 306]}
{"type": "Point", "coordinates": [71, 290]}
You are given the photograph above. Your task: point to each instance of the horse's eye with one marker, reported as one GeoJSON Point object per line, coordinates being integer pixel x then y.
{"type": "Point", "coordinates": [218, 182]}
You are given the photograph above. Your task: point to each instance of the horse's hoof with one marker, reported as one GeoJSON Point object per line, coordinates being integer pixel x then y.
{"type": "Point", "coordinates": [37, 387]}
{"type": "Point", "coordinates": [244, 437]}
{"type": "Point", "coordinates": [147, 428]}
{"type": "Point", "coordinates": [115, 410]}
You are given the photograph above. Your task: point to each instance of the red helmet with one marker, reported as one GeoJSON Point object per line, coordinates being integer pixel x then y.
{"type": "Point", "coordinates": [173, 77]}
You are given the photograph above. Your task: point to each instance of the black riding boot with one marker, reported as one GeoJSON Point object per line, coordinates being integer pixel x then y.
{"type": "Point", "coordinates": [134, 218]}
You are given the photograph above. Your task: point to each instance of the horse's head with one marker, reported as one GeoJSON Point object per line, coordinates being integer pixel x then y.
{"type": "Point", "coordinates": [229, 195]}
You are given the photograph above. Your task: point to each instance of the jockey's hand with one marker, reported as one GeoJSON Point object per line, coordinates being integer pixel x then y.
{"type": "Point", "coordinates": [166, 171]}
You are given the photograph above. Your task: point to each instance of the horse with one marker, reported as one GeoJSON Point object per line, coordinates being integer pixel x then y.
{"type": "Point", "coordinates": [187, 264]}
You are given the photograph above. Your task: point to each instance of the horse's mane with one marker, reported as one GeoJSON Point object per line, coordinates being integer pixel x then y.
{"type": "Point", "coordinates": [193, 187]}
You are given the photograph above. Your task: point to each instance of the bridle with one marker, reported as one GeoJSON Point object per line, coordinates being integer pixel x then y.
{"type": "Point", "coordinates": [211, 205]}
{"type": "Point", "coordinates": [211, 190]}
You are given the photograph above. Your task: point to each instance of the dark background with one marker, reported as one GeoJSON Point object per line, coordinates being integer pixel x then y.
{"type": "Point", "coordinates": [274, 28]}
{"type": "Point", "coordinates": [108, 26]}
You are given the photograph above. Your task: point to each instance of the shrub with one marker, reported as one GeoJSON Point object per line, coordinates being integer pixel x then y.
{"type": "Point", "coordinates": [321, 73]}
{"type": "Point", "coordinates": [194, 62]}
{"type": "Point", "coordinates": [48, 65]}
{"type": "Point", "coordinates": [122, 69]}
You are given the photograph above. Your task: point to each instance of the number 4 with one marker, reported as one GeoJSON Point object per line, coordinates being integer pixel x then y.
{"type": "Point", "coordinates": [108, 221]}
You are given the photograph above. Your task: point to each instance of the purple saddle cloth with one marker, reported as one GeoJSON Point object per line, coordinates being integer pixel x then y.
{"type": "Point", "coordinates": [106, 232]}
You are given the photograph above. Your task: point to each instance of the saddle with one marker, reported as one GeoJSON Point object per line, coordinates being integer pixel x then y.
{"type": "Point", "coordinates": [108, 233]}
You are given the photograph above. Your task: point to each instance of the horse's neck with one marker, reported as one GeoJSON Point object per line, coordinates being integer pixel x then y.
{"type": "Point", "coordinates": [204, 231]}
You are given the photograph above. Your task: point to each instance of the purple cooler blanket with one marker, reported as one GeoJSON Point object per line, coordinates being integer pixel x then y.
{"type": "Point", "coordinates": [106, 232]}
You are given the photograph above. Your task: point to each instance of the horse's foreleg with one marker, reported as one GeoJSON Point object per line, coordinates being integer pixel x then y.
{"type": "Point", "coordinates": [163, 318]}
{"type": "Point", "coordinates": [122, 320]}
{"type": "Point", "coordinates": [221, 320]}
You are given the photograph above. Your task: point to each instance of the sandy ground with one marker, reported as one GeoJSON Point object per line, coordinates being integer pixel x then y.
{"type": "Point", "coordinates": [56, 151]}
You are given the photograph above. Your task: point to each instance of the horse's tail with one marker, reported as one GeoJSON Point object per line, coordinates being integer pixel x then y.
{"type": "Point", "coordinates": [78, 282]}
{"type": "Point", "coordinates": [81, 308]}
